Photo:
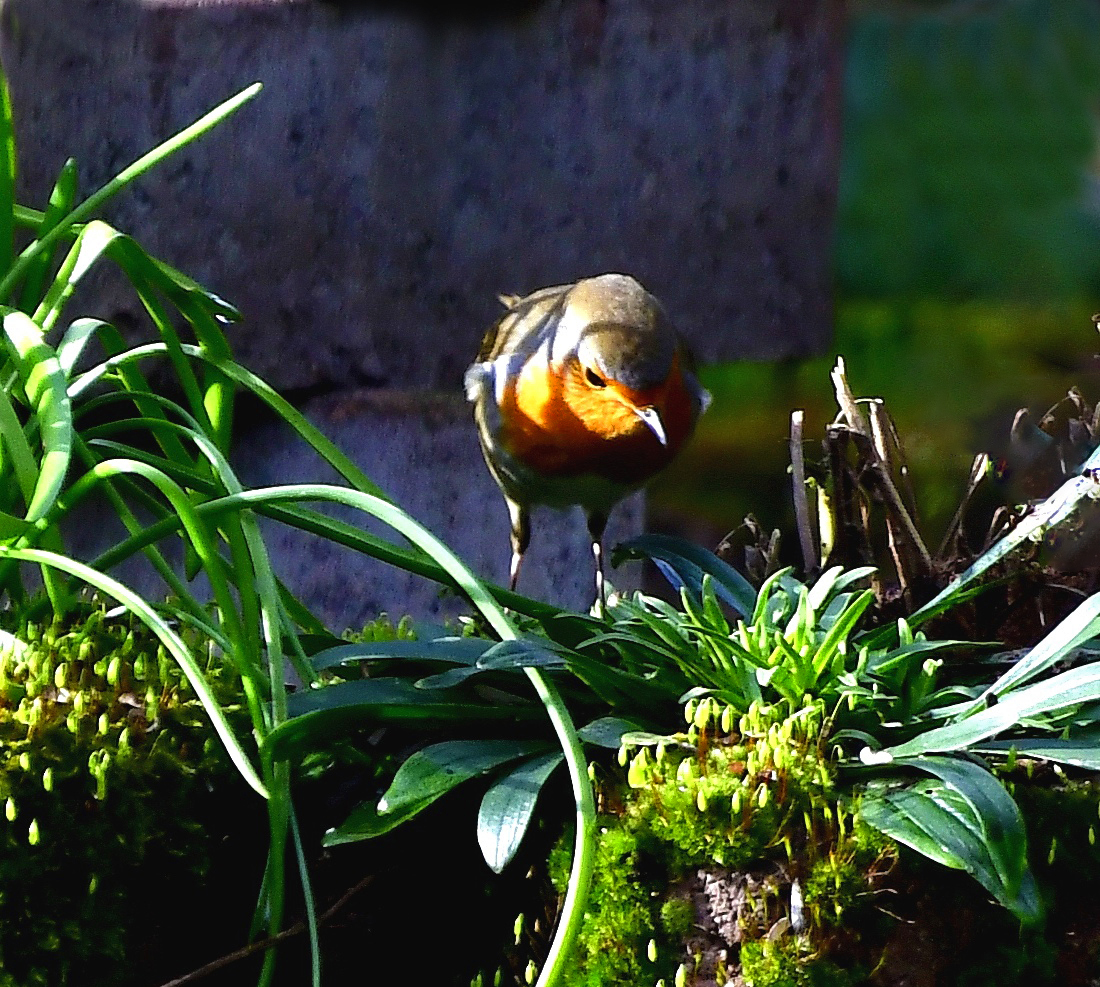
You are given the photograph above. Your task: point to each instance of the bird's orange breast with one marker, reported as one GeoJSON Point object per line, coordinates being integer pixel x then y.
{"type": "Point", "coordinates": [558, 425]}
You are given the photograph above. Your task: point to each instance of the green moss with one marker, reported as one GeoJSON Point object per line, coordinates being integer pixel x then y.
{"type": "Point", "coordinates": [788, 963]}
{"type": "Point", "coordinates": [727, 796]}
{"type": "Point", "coordinates": [383, 629]}
{"type": "Point", "coordinates": [107, 764]}
{"type": "Point", "coordinates": [734, 792]}
{"type": "Point", "coordinates": [677, 918]}
{"type": "Point", "coordinates": [839, 880]}
{"type": "Point", "coordinates": [623, 915]}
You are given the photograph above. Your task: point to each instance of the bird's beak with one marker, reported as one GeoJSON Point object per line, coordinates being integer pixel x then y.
{"type": "Point", "coordinates": [653, 422]}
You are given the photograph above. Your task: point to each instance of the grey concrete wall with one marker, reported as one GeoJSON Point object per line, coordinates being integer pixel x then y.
{"type": "Point", "coordinates": [399, 171]}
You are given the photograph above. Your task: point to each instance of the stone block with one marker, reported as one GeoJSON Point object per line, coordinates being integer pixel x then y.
{"type": "Point", "coordinates": [400, 170]}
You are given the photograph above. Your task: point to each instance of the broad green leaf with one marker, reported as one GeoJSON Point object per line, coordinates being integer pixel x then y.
{"type": "Point", "coordinates": [932, 818]}
{"type": "Point", "coordinates": [607, 731]}
{"type": "Point", "coordinates": [521, 653]}
{"type": "Point", "coordinates": [507, 808]}
{"type": "Point", "coordinates": [365, 822]}
{"type": "Point", "coordinates": [685, 564]}
{"type": "Point", "coordinates": [450, 678]}
{"type": "Point", "coordinates": [501, 656]}
{"type": "Point", "coordinates": [322, 713]}
{"type": "Point", "coordinates": [997, 814]}
{"type": "Point", "coordinates": [434, 771]}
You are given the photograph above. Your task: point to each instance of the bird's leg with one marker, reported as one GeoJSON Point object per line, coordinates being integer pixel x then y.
{"type": "Point", "coordinates": [596, 525]}
{"type": "Point", "coordinates": [521, 538]}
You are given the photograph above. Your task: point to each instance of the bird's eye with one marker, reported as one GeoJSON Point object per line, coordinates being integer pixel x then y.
{"type": "Point", "coordinates": [594, 378]}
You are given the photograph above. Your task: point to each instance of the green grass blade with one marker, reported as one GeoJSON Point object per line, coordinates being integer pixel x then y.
{"type": "Point", "coordinates": [61, 202]}
{"type": "Point", "coordinates": [46, 389]}
{"type": "Point", "coordinates": [311, 906]}
{"type": "Point", "coordinates": [841, 630]}
{"type": "Point", "coordinates": [74, 342]}
{"type": "Point", "coordinates": [18, 457]}
{"type": "Point", "coordinates": [7, 184]}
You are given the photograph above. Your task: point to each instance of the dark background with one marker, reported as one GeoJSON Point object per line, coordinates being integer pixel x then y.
{"type": "Point", "coordinates": [967, 258]}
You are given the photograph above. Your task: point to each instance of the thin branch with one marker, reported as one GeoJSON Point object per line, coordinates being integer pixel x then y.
{"type": "Point", "coordinates": [264, 944]}
{"type": "Point", "coordinates": [810, 559]}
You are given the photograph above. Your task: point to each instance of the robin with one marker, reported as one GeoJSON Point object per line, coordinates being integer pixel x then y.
{"type": "Point", "coordinates": [582, 394]}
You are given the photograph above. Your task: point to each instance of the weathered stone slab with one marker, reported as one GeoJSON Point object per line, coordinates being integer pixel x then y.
{"type": "Point", "coordinates": [399, 171]}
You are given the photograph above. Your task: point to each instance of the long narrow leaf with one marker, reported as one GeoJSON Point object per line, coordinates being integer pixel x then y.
{"type": "Point", "coordinates": [1061, 692]}
{"type": "Point", "coordinates": [7, 183]}
{"type": "Point", "coordinates": [61, 203]}
{"type": "Point", "coordinates": [1070, 632]}
{"type": "Point", "coordinates": [320, 714]}
{"type": "Point", "coordinates": [45, 386]}
{"type": "Point", "coordinates": [459, 650]}
{"type": "Point", "coordinates": [1081, 751]}
{"type": "Point", "coordinates": [1059, 506]}
{"type": "Point", "coordinates": [839, 632]}
{"type": "Point", "coordinates": [149, 160]}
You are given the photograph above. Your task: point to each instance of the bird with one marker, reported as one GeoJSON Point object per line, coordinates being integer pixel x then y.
{"type": "Point", "coordinates": [582, 393]}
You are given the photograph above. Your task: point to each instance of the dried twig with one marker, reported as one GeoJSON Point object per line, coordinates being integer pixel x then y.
{"type": "Point", "coordinates": [811, 560]}
{"type": "Point", "coordinates": [264, 944]}
{"type": "Point", "coordinates": [979, 470]}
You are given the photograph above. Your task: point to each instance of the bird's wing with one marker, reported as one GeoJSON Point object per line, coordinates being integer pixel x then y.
{"type": "Point", "coordinates": [526, 324]}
